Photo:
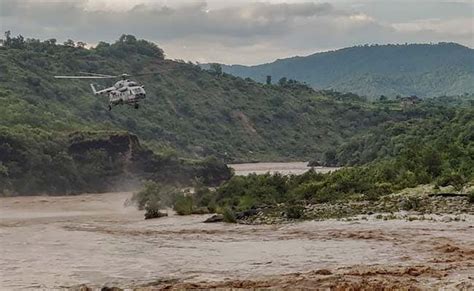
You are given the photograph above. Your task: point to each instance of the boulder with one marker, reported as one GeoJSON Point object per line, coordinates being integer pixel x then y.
{"type": "Point", "coordinates": [150, 214]}
{"type": "Point", "coordinates": [215, 218]}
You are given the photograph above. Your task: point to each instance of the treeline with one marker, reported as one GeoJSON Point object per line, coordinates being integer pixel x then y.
{"type": "Point", "coordinates": [125, 45]}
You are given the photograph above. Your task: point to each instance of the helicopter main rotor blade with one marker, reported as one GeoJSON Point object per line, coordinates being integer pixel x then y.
{"type": "Point", "coordinates": [83, 77]}
{"type": "Point", "coordinates": [95, 74]}
{"type": "Point", "coordinates": [102, 76]}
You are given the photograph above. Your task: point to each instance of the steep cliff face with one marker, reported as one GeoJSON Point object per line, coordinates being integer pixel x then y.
{"type": "Point", "coordinates": [36, 162]}
{"type": "Point", "coordinates": [115, 144]}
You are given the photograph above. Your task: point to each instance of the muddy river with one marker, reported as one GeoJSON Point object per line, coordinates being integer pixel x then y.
{"type": "Point", "coordinates": [283, 168]}
{"type": "Point", "coordinates": [61, 242]}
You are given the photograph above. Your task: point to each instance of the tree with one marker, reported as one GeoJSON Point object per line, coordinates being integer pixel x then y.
{"type": "Point", "coordinates": [127, 39]}
{"type": "Point", "coordinates": [330, 158]}
{"type": "Point", "coordinates": [282, 81]}
{"type": "Point", "coordinates": [8, 39]}
{"type": "Point", "coordinates": [269, 80]}
{"type": "Point", "coordinates": [3, 170]}
{"type": "Point", "coordinates": [102, 45]}
{"type": "Point", "coordinates": [51, 41]}
{"type": "Point", "coordinates": [216, 69]}
{"type": "Point", "coordinates": [81, 44]}
{"type": "Point", "coordinates": [14, 42]}
{"type": "Point", "coordinates": [69, 43]}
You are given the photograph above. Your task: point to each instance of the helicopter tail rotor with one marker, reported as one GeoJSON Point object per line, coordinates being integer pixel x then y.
{"type": "Point", "coordinates": [94, 90]}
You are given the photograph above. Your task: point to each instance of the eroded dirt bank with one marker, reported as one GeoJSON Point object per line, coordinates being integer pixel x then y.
{"type": "Point", "coordinates": [64, 242]}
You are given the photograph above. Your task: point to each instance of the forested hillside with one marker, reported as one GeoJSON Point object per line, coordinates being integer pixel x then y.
{"type": "Point", "coordinates": [434, 149]}
{"type": "Point", "coordinates": [446, 132]}
{"type": "Point", "coordinates": [190, 115]}
{"type": "Point", "coordinates": [425, 70]}
{"type": "Point", "coordinates": [190, 111]}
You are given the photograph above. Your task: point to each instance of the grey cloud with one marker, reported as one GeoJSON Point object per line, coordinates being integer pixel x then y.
{"type": "Point", "coordinates": [237, 32]}
{"type": "Point", "coordinates": [254, 19]}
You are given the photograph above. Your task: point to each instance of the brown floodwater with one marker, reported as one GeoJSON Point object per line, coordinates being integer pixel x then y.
{"type": "Point", "coordinates": [94, 239]}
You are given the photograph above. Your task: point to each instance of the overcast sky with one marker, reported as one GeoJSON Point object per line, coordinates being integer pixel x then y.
{"type": "Point", "coordinates": [245, 31]}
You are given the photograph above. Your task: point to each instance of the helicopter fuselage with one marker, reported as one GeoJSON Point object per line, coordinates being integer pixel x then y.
{"type": "Point", "coordinates": [123, 92]}
{"type": "Point", "coordinates": [127, 95]}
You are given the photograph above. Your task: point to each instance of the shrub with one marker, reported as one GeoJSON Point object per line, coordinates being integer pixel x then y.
{"type": "Point", "coordinates": [229, 215]}
{"type": "Point", "coordinates": [149, 191]}
{"type": "Point", "coordinates": [184, 205]}
{"type": "Point", "coordinates": [212, 207]}
{"type": "Point", "coordinates": [246, 202]}
{"type": "Point", "coordinates": [154, 197]}
{"type": "Point", "coordinates": [294, 211]}
{"type": "Point", "coordinates": [456, 180]}
{"type": "Point", "coordinates": [410, 203]}
{"type": "Point", "coordinates": [378, 190]}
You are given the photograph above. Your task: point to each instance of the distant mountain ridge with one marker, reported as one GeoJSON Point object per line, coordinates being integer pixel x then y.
{"type": "Point", "coordinates": [425, 70]}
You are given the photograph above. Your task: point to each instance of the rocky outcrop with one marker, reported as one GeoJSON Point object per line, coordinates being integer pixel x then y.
{"type": "Point", "coordinates": [389, 207]}
{"type": "Point", "coordinates": [151, 214]}
{"type": "Point", "coordinates": [38, 162]}
{"type": "Point", "coordinates": [215, 218]}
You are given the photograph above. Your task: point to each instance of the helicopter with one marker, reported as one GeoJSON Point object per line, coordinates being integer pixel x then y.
{"type": "Point", "coordinates": [123, 92]}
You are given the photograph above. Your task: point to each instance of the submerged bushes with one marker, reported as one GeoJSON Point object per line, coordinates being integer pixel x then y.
{"type": "Point", "coordinates": [415, 165]}
{"type": "Point", "coordinates": [155, 197]}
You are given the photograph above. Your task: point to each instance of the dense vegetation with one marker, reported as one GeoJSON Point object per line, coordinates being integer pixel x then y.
{"type": "Point", "coordinates": [424, 70]}
{"type": "Point", "coordinates": [56, 137]}
{"type": "Point", "coordinates": [435, 146]}
{"type": "Point", "coordinates": [436, 124]}
{"type": "Point", "coordinates": [195, 112]}
{"type": "Point", "coordinates": [438, 148]}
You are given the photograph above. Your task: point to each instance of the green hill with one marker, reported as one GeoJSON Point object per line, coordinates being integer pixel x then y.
{"type": "Point", "coordinates": [190, 111]}
{"type": "Point", "coordinates": [447, 132]}
{"type": "Point", "coordinates": [425, 70]}
{"type": "Point", "coordinates": [190, 115]}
